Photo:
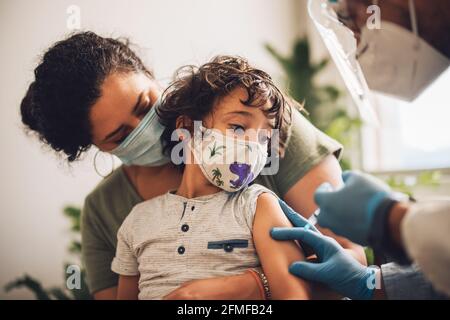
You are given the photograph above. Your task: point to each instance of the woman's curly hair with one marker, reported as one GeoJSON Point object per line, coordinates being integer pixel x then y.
{"type": "Point", "coordinates": [196, 90]}
{"type": "Point", "coordinates": [66, 85]}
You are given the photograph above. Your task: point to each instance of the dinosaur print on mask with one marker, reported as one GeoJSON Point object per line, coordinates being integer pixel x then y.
{"type": "Point", "coordinates": [244, 173]}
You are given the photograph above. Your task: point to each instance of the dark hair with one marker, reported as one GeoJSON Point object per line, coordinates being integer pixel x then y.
{"type": "Point", "coordinates": [66, 85]}
{"type": "Point", "coordinates": [196, 90]}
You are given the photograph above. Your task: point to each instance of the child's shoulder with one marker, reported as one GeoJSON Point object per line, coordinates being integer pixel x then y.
{"type": "Point", "coordinates": [252, 192]}
{"type": "Point", "coordinates": [248, 199]}
{"type": "Point", "coordinates": [145, 209]}
{"type": "Point", "coordinates": [150, 203]}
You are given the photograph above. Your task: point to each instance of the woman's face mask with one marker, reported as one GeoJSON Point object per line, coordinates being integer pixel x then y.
{"type": "Point", "coordinates": [143, 147]}
{"type": "Point", "coordinates": [227, 162]}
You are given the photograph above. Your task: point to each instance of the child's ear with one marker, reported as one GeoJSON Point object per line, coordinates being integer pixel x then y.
{"type": "Point", "coordinates": [183, 122]}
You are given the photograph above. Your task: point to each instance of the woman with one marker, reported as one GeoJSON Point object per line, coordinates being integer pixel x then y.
{"type": "Point", "coordinates": [89, 90]}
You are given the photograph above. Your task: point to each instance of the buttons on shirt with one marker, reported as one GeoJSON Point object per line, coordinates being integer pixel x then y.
{"type": "Point", "coordinates": [228, 247]}
{"type": "Point", "coordinates": [185, 227]}
{"type": "Point", "coordinates": [181, 249]}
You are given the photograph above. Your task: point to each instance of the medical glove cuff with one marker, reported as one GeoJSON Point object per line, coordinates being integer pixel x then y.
{"type": "Point", "coordinates": [380, 238]}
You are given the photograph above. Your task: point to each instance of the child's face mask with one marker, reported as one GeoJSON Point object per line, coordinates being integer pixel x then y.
{"type": "Point", "coordinates": [229, 163]}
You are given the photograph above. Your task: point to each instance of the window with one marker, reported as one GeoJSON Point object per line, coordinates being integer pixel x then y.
{"type": "Point", "coordinates": [411, 136]}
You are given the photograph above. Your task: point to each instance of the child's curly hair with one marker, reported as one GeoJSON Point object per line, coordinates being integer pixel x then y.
{"type": "Point", "coordinates": [196, 90]}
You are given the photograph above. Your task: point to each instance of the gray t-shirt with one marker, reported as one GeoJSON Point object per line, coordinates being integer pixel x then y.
{"type": "Point", "coordinates": [198, 238]}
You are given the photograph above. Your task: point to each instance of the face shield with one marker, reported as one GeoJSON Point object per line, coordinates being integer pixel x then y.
{"type": "Point", "coordinates": [342, 46]}
{"type": "Point", "coordinates": [392, 59]}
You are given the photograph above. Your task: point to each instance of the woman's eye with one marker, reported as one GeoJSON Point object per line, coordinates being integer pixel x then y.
{"type": "Point", "coordinates": [124, 135]}
{"type": "Point", "coordinates": [120, 140]}
{"type": "Point", "coordinates": [237, 129]}
{"type": "Point", "coordinates": [144, 111]}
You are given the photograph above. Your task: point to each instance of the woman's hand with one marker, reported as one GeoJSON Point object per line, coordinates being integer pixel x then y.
{"type": "Point", "coordinates": [239, 287]}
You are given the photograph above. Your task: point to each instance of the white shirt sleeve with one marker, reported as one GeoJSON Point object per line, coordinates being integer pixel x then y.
{"type": "Point", "coordinates": [125, 262]}
{"type": "Point", "coordinates": [426, 237]}
{"type": "Point", "coordinates": [249, 200]}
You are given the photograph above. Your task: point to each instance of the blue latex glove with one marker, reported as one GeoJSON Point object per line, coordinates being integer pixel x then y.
{"type": "Point", "coordinates": [349, 211]}
{"type": "Point", "coordinates": [336, 268]}
{"type": "Point", "coordinates": [295, 218]}
{"type": "Point", "coordinates": [298, 220]}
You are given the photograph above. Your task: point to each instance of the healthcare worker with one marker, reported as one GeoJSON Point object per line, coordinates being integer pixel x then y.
{"type": "Point", "coordinates": [400, 61]}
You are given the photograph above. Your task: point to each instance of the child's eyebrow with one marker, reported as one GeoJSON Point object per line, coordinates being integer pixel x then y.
{"type": "Point", "coordinates": [243, 113]}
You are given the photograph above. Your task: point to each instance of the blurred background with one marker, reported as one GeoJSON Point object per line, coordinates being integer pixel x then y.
{"type": "Point", "coordinates": [41, 195]}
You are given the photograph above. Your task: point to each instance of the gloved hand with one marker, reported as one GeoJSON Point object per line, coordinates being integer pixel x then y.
{"type": "Point", "coordinates": [299, 221]}
{"type": "Point", "coordinates": [295, 218]}
{"type": "Point", "coordinates": [336, 268]}
{"type": "Point", "coordinates": [349, 211]}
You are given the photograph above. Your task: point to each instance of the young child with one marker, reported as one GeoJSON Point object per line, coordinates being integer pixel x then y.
{"type": "Point", "coordinates": [216, 223]}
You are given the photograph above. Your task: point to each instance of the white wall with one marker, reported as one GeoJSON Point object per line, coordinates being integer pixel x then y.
{"type": "Point", "coordinates": [35, 185]}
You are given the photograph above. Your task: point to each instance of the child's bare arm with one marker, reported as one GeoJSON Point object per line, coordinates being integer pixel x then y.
{"type": "Point", "coordinates": [277, 256]}
{"type": "Point", "coordinates": [128, 288]}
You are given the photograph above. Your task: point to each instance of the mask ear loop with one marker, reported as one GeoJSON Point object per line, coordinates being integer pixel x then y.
{"type": "Point", "coordinates": [413, 18]}
{"type": "Point", "coordinates": [95, 165]}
